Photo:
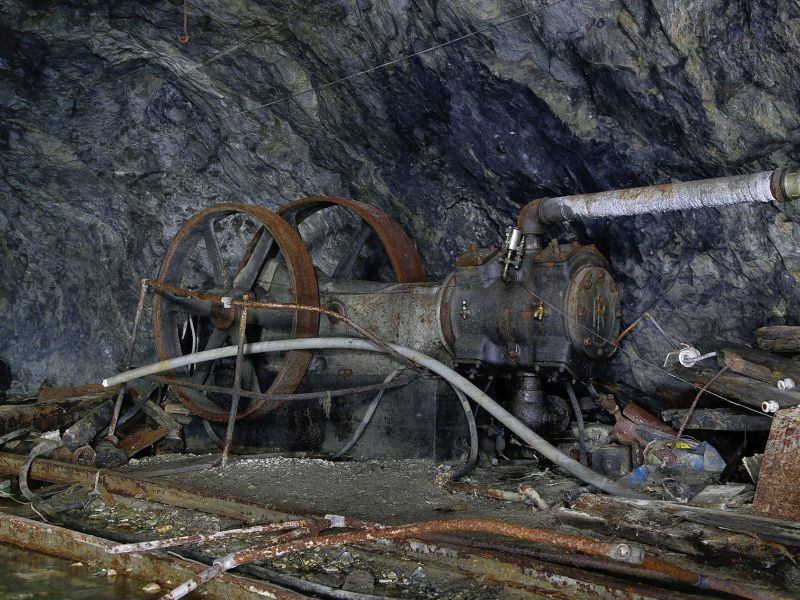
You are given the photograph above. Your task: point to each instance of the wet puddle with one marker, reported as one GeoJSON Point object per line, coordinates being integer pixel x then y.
{"type": "Point", "coordinates": [28, 575]}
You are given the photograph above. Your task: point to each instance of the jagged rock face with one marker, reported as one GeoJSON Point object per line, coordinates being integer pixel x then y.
{"type": "Point", "coordinates": [113, 134]}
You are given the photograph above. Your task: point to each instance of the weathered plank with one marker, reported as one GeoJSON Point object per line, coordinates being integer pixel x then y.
{"type": "Point", "coordinates": [779, 338]}
{"type": "Point", "coordinates": [656, 527]}
{"type": "Point", "coordinates": [744, 389]}
{"type": "Point", "coordinates": [718, 419]}
{"type": "Point", "coordinates": [758, 364]}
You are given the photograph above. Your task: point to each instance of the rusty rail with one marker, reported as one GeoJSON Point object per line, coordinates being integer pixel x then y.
{"type": "Point", "coordinates": [146, 566]}
{"type": "Point", "coordinates": [182, 496]}
{"type": "Point", "coordinates": [622, 552]}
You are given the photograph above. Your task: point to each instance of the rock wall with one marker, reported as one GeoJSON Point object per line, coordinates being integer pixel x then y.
{"type": "Point", "coordinates": [112, 135]}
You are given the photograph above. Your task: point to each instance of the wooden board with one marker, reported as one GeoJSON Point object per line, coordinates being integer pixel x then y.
{"type": "Point", "coordinates": [738, 387]}
{"type": "Point", "coordinates": [656, 527]}
{"type": "Point", "coordinates": [758, 364]}
{"type": "Point", "coordinates": [779, 338]}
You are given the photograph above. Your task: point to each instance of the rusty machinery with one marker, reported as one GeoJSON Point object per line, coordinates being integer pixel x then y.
{"type": "Point", "coordinates": [530, 315]}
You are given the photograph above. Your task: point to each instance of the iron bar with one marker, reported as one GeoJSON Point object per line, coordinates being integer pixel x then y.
{"type": "Point", "coordinates": [162, 287]}
{"type": "Point", "coordinates": [622, 552]}
{"type": "Point", "coordinates": [202, 538]}
{"type": "Point", "coordinates": [112, 427]}
{"type": "Point", "coordinates": [182, 496]}
{"type": "Point", "coordinates": [237, 386]}
{"type": "Point", "coordinates": [362, 389]}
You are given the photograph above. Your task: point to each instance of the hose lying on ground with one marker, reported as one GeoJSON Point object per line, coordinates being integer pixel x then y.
{"type": "Point", "coordinates": [522, 431]}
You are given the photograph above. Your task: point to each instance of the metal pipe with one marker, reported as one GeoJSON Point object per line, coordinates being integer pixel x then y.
{"type": "Point", "coordinates": [769, 186]}
{"type": "Point", "coordinates": [576, 408]}
{"type": "Point", "coordinates": [521, 430]}
{"type": "Point", "coordinates": [112, 427]}
{"type": "Point", "coordinates": [202, 538]}
{"type": "Point", "coordinates": [621, 552]}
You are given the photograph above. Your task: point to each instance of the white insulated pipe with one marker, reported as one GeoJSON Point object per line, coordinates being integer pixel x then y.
{"type": "Point", "coordinates": [521, 430]}
{"type": "Point", "coordinates": [768, 186]}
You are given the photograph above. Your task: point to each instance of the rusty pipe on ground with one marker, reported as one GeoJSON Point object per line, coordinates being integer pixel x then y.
{"type": "Point", "coordinates": [779, 185]}
{"type": "Point", "coordinates": [621, 552]}
{"type": "Point", "coordinates": [651, 568]}
{"type": "Point", "coordinates": [201, 538]}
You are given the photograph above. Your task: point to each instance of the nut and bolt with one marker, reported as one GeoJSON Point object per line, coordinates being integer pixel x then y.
{"type": "Point", "coordinates": [786, 384]}
{"type": "Point", "coordinates": [623, 551]}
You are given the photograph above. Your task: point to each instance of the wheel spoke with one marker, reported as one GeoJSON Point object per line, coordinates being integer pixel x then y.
{"type": "Point", "coordinates": [246, 277]}
{"type": "Point", "coordinates": [346, 264]}
{"type": "Point", "coordinates": [250, 376]}
{"type": "Point", "coordinates": [192, 306]}
{"type": "Point", "coordinates": [221, 276]}
{"type": "Point", "coordinates": [202, 370]}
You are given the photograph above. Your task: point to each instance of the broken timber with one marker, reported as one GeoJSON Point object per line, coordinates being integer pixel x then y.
{"type": "Point", "coordinates": [717, 419]}
{"type": "Point", "coordinates": [758, 364]}
{"type": "Point", "coordinates": [739, 387]}
{"type": "Point", "coordinates": [779, 339]}
{"type": "Point", "coordinates": [648, 522]}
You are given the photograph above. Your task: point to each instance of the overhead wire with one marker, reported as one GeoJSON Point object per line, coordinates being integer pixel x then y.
{"type": "Point", "coordinates": [504, 20]}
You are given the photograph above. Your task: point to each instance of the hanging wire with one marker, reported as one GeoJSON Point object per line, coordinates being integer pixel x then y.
{"type": "Point", "coordinates": [184, 39]}
{"type": "Point", "coordinates": [504, 20]}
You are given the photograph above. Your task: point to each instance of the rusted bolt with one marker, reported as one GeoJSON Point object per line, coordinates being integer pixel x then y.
{"type": "Point", "coordinates": [623, 551]}
{"type": "Point", "coordinates": [587, 341]}
{"type": "Point", "coordinates": [336, 307]}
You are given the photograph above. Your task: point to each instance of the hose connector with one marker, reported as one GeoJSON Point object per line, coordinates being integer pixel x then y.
{"type": "Point", "coordinates": [786, 184]}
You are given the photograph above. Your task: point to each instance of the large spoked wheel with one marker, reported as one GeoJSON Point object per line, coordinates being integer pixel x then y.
{"type": "Point", "coordinates": [405, 261]}
{"type": "Point", "coordinates": [210, 253]}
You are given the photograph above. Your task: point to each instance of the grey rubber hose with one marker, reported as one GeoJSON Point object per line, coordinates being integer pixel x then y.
{"type": "Point", "coordinates": [522, 431]}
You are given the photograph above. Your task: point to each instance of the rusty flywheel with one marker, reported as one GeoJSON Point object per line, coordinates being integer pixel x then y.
{"type": "Point", "coordinates": [209, 254]}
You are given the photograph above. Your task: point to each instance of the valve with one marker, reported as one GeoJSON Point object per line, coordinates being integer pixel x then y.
{"type": "Point", "coordinates": [513, 250]}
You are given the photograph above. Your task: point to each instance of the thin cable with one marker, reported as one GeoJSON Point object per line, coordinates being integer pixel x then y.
{"type": "Point", "coordinates": [461, 38]}
{"type": "Point", "coordinates": [400, 59]}
{"type": "Point", "coordinates": [635, 357]}
{"type": "Point", "coordinates": [362, 426]}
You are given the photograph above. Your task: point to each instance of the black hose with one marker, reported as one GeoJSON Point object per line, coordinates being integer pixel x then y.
{"type": "Point", "coordinates": [373, 406]}
{"type": "Point", "coordinates": [576, 408]}
{"type": "Point", "coordinates": [472, 459]}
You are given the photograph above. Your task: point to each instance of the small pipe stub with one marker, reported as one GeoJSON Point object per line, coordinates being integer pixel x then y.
{"type": "Point", "coordinates": [788, 187]}
{"type": "Point", "coordinates": [770, 406]}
